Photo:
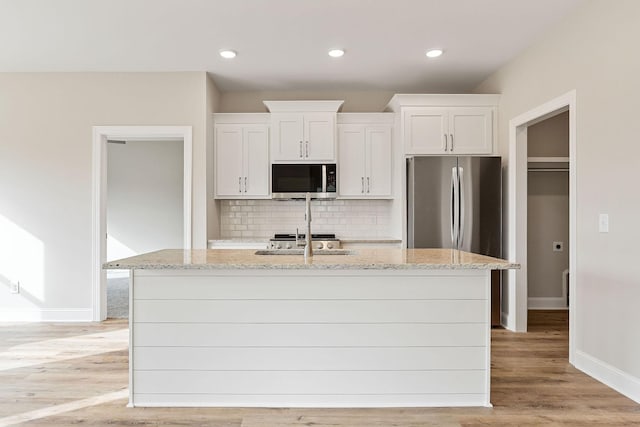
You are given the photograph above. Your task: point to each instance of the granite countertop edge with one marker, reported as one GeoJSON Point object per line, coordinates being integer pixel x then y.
{"type": "Point", "coordinates": [365, 259]}
{"type": "Point", "coordinates": [334, 266]}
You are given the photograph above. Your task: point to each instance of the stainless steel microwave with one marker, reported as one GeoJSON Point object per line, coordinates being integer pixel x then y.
{"type": "Point", "coordinates": [294, 181]}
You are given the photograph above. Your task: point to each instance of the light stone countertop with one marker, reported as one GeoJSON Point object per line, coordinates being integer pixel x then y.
{"type": "Point", "coordinates": [368, 259]}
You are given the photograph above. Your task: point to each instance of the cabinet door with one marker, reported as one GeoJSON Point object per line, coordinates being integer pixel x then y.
{"type": "Point", "coordinates": [471, 130]}
{"type": "Point", "coordinates": [288, 135]}
{"type": "Point", "coordinates": [228, 160]}
{"type": "Point", "coordinates": [319, 136]}
{"type": "Point", "coordinates": [425, 129]}
{"type": "Point", "coordinates": [379, 162]}
{"type": "Point", "coordinates": [351, 160]}
{"type": "Point", "coordinates": [256, 161]}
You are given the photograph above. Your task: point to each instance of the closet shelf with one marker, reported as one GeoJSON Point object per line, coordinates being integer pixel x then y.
{"type": "Point", "coordinates": [548, 164]}
{"type": "Point", "coordinates": [548, 159]}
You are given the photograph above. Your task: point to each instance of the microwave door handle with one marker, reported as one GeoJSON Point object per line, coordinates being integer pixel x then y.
{"type": "Point", "coordinates": [324, 178]}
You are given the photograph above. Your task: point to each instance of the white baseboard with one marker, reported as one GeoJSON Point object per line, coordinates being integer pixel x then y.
{"type": "Point", "coordinates": [609, 375]}
{"type": "Point", "coordinates": [547, 303]}
{"type": "Point", "coordinates": [47, 315]}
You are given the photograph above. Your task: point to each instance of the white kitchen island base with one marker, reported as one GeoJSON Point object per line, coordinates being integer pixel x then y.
{"type": "Point", "coordinates": [288, 337]}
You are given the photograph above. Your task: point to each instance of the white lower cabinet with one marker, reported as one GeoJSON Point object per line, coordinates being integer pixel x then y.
{"type": "Point", "coordinates": [242, 161]}
{"type": "Point", "coordinates": [364, 161]}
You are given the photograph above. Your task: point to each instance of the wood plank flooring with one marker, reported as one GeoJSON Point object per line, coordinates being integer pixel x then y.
{"type": "Point", "coordinates": [75, 374]}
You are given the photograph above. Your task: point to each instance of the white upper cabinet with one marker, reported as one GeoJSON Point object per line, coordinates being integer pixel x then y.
{"type": "Point", "coordinates": [365, 158]}
{"type": "Point", "coordinates": [303, 131]}
{"type": "Point", "coordinates": [303, 136]}
{"type": "Point", "coordinates": [241, 160]}
{"type": "Point", "coordinates": [447, 124]}
{"type": "Point", "coordinates": [425, 130]}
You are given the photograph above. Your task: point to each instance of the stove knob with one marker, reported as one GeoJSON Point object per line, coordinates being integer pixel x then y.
{"type": "Point", "coordinates": [319, 246]}
{"type": "Point", "coordinates": [278, 246]}
{"type": "Point", "coordinates": [288, 246]}
{"type": "Point", "coordinates": [329, 245]}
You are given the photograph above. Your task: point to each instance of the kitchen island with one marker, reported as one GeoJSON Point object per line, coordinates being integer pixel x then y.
{"type": "Point", "coordinates": [377, 328]}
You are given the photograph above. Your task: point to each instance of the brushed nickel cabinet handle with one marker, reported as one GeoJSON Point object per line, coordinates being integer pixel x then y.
{"type": "Point", "coordinates": [368, 184]}
{"type": "Point", "coordinates": [451, 142]}
{"type": "Point", "coordinates": [300, 149]}
{"type": "Point", "coordinates": [239, 184]}
{"type": "Point", "coordinates": [446, 145]}
{"type": "Point", "coordinates": [245, 184]}
{"type": "Point", "coordinates": [362, 188]}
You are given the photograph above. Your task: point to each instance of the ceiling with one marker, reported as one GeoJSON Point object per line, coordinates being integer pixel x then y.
{"type": "Point", "coordinates": [281, 44]}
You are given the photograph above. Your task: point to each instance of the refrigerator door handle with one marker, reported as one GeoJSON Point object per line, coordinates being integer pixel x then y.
{"type": "Point", "coordinates": [454, 208]}
{"type": "Point", "coordinates": [461, 206]}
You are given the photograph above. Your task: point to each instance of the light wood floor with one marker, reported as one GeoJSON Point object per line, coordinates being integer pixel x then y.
{"type": "Point", "coordinates": [66, 374]}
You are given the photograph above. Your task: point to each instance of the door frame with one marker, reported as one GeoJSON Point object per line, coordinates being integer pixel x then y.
{"type": "Point", "coordinates": [99, 195]}
{"type": "Point", "coordinates": [517, 301]}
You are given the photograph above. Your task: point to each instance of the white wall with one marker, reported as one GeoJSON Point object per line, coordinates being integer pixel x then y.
{"type": "Point", "coordinates": [593, 52]}
{"type": "Point", "coordinates": [547, 222]}
{"type": "Point", "coordinates": [144, 197]}
{"type": "Point", "coordinates": [213, 210]}
{"type": "Point", "coordinates": [46, 122]}
{"type": "Point", "coordinates": [251, 102]}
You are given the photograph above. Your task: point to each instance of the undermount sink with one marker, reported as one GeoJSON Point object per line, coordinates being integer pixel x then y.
{"type": "Point", "coordinates": [301, 252]}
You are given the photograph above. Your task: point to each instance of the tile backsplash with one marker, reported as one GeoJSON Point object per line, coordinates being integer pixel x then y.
{"type": "Point", "coordinates": [345, 218]}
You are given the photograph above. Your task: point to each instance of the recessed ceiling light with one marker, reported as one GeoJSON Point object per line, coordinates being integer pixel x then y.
{"type": "Point", "coordinates": [228, 53]}
{"type": "Point", "coordinates": [434, 53]}
{"type": "Point", "coordinates": [336, 53]}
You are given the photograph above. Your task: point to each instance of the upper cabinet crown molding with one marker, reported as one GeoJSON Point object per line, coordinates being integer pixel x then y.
{"type": "Point", "coordinates": [400, 100]}
{"type": "Point", "coordinates": [303, 106]}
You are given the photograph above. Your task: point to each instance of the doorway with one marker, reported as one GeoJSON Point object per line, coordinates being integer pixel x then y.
{"type": "Point", "coordinates": [515, 288]}
{"type": "Point", "coordinates": [548, 214]}
{"type": "Point", "coordinates": [140, 241]}
{"type": "Point", "coordinates": [144, 207]}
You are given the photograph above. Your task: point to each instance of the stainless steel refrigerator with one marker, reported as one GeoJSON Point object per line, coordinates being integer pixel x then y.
{"type": "Point", "coordinates": [455, 202]}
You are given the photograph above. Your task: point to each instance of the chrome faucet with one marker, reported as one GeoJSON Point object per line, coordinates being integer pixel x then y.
{"type": "Point", "coordinates": [308, 250]}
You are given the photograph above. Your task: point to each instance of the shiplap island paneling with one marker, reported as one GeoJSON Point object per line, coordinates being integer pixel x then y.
{"type": "Point", "coordinates": [310, 337]}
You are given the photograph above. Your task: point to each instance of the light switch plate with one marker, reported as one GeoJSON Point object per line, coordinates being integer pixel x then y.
{"type": "Point", "coordinates": [603, 223]}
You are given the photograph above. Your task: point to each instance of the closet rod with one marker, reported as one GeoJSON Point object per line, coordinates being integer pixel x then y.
{"type": "Point", "coordinates": [548, 170]}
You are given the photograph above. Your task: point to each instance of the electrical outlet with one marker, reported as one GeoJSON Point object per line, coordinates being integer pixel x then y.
{"type": "Point", "coordinates": [558, 246]}
{"type": "Point", "coordinates": [15, 287]}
